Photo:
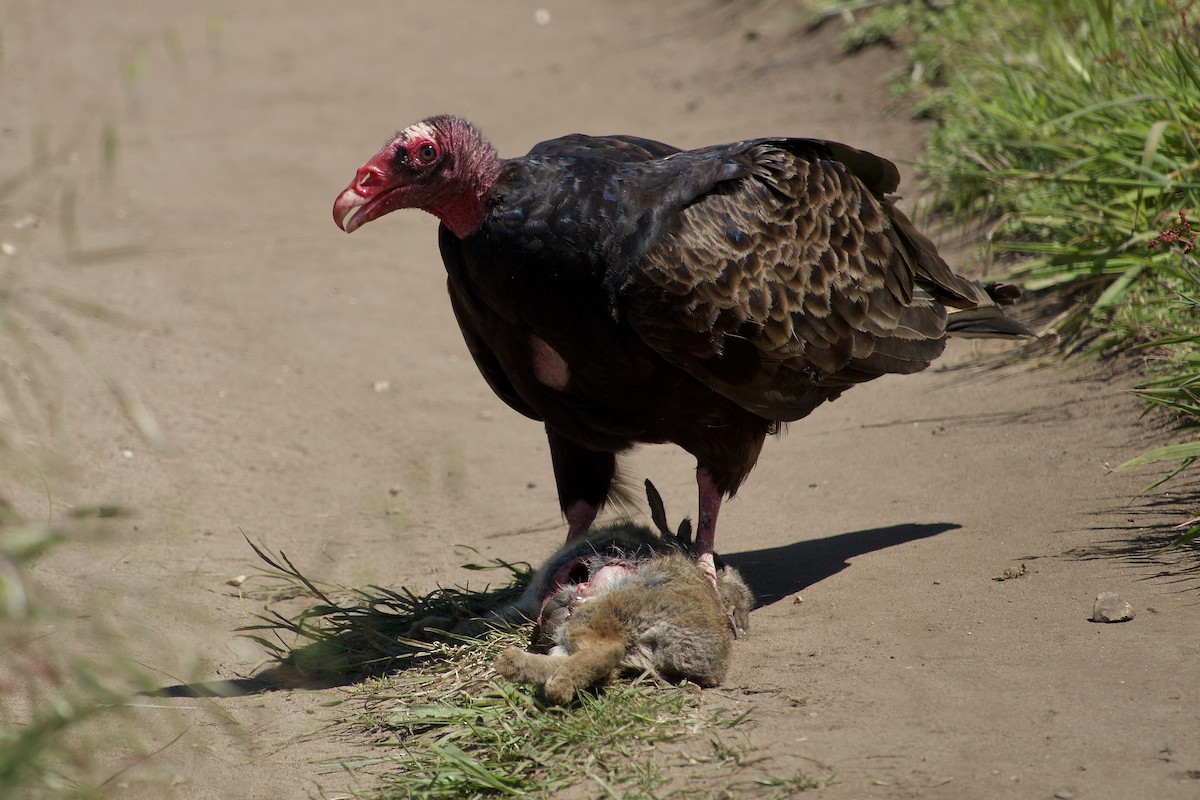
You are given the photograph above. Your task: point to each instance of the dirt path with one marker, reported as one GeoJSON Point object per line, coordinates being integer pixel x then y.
{"type": "Point", "coordinates": [317, 396]}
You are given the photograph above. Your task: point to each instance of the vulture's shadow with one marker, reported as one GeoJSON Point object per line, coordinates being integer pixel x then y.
{"type": "Point", "coordinates": [773, 574]}
{"type": "Point", "coordinates": [777, 572]}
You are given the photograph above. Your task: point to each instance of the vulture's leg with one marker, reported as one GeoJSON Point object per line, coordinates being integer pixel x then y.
{"type": "Point", "coordinates": [706, 529]}
{"type": "Point", "coordinates": [584, 478]}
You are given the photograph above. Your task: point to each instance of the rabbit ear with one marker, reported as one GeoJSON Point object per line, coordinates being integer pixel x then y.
{"type": "Point", "coordinates": [684, 537]}
{"type": "Point", "coordinates": [658, 513]}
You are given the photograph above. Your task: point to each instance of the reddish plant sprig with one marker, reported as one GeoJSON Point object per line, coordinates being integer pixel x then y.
{"type": "Point", "coordinates": [1183, 233]}
{"type": "Point", "coordinates": [1182, 11]}
{"type": "Point", "coordinates": [1118, 58]}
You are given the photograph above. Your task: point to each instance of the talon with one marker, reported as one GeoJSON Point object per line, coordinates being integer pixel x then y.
{"type": "Point", "coordinates": [708, 567]}
{"type": "Point", "coordinates": [580, 516]}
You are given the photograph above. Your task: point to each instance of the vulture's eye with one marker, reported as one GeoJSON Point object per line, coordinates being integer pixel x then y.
{"type": "Point", "coordinates": [427, 153]}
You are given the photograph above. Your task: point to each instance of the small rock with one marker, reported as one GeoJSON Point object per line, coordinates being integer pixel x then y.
{"type": "Point", "coordinates": [381, 386]}
{"type": "Point", "coordinates": [238, 581]}
{"type": "Point", "coordinates": [8, 248]}
{"type": "Point", "coordinates": [1064, 794]}
{"type": "Point", "coordinates": [1111, 607]}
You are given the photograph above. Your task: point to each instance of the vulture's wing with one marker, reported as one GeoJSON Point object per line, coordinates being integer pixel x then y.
{"type": "Point", "coordinates": [474, 324]}
{"type": "Point", "coordinates": [789, 275]}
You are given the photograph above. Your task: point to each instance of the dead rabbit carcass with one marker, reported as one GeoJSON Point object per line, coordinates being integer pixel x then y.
{"type": "Point", "coordinates": [622, 598]}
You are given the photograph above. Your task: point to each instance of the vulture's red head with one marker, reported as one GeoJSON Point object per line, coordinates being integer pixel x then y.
{"type": "Point", "coordinates": [442, 165]}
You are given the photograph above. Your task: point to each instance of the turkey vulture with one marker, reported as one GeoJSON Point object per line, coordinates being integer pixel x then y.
{"type": "Point", "coordinates": [621, 290]}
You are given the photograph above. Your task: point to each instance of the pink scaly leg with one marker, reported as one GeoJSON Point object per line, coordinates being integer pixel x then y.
{"type": "Point", "coordinates": [706, 529]}
{"type": "Point", "coordinates": [580, 516]}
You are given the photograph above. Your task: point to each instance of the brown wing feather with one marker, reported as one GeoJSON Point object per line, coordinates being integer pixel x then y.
{"type": "Point", "coordinates": [781, 289]}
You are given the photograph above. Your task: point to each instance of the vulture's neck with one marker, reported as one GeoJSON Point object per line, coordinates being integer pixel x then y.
{"type": "Point", "coordinates": [462, 211]}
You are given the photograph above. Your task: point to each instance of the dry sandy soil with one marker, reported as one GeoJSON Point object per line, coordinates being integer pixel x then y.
{"type": "Point", "coordinates": [316, 396]}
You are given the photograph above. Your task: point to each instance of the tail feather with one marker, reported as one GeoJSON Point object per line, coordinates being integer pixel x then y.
{"type": "Point", "coordinates": [985, 322]}
{"type": "Point", "coordinates": [975, 309]}
{"type": "Point", "coordinates": [931, 272]}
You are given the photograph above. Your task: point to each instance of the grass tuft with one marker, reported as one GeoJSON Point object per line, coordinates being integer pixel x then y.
{"type": "Point", "coordinates": [68, 727]}
{"type": "Point", "coordinates": [56, 674]}
{"type": "Point", "coordinates": [370, 631]}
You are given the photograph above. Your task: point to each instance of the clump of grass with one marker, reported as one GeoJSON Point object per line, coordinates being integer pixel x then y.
{"type": "Point", "coordinates": [1074, 125]}
{"type": "Point", "coordinates": [1177, 391]}
{"type": "Point", "coordinates": [66, 683]}
{"type": "Point", "coordinates": [869, 22]}
{"type": "Point", "coordinates": [444, 725]}
{"type": "Point", "coordinates": [57, 675]}
{"type": "Point", "coordinates": [369, 631]}
{"type": "Point", "coordinates": [489, 737]}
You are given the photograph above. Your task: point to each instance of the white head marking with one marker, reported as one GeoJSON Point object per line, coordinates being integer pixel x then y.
{"type": "Point", "coordinates": [421, 130]}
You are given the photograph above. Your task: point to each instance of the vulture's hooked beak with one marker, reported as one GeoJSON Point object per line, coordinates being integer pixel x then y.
{"type": "Point", "coordinates": [373, 193]}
